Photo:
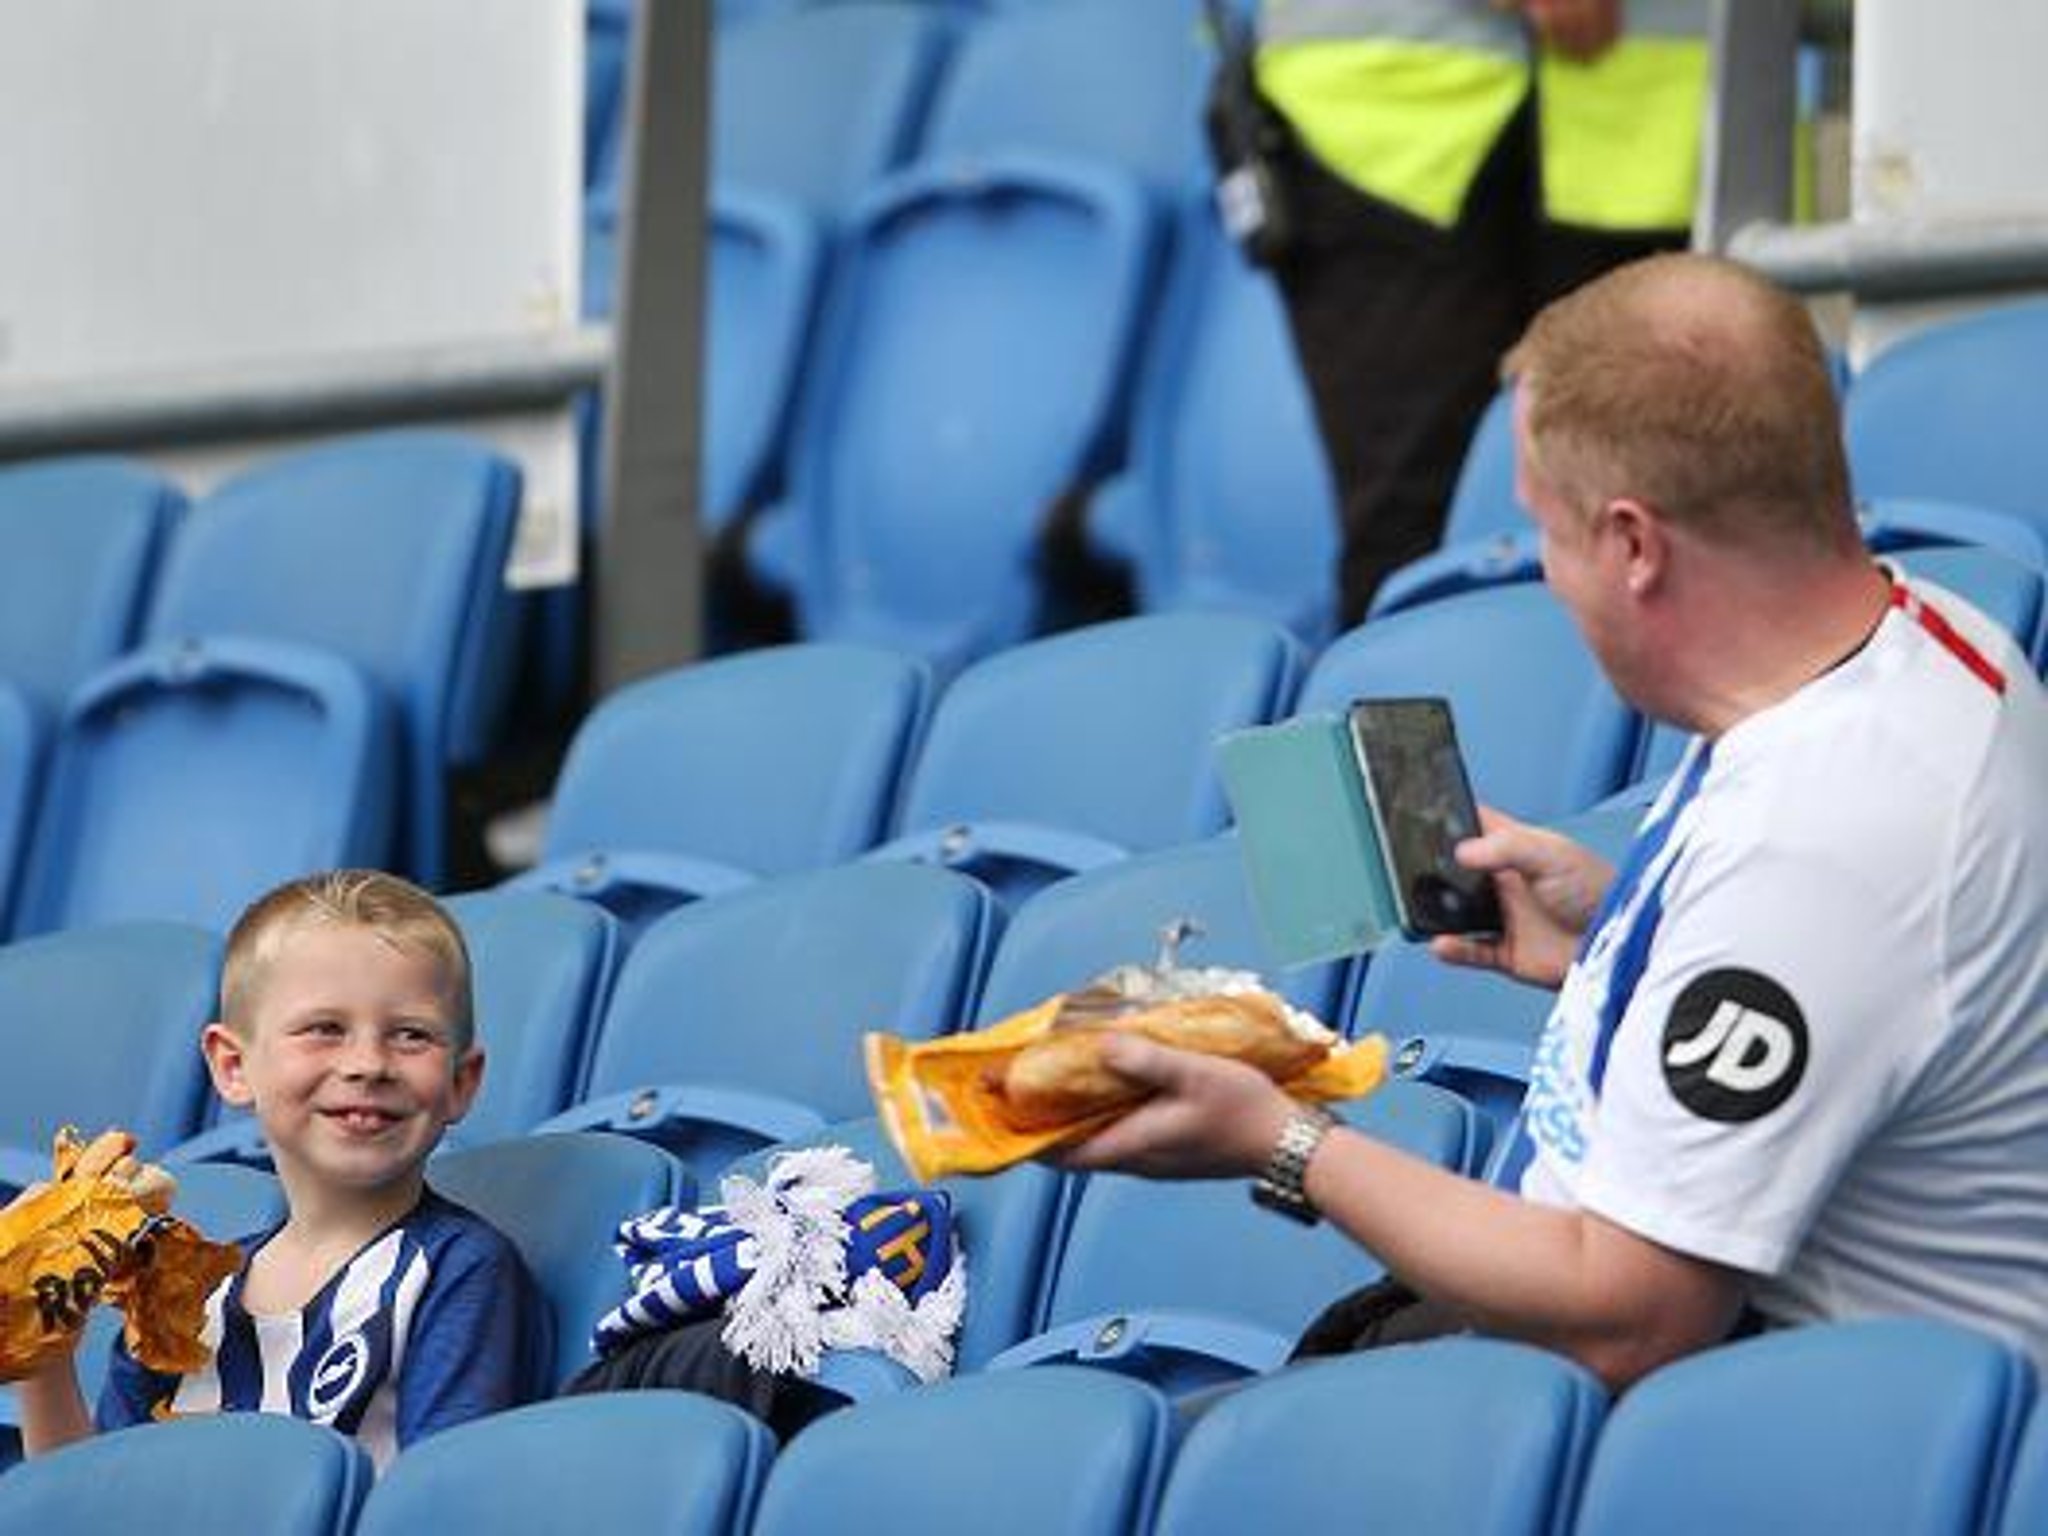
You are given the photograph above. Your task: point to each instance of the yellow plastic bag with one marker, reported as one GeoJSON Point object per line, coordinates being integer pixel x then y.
{"type": "Point", "coordinates": [91, 1235]}
{"type": "Point", "coordinates": [941, 1105]}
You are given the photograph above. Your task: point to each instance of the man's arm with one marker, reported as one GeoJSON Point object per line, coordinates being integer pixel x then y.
{"type": "Point", "coordinates": [53, 1412]}
{"type": "Point", "coordinates": [1570, 1281]}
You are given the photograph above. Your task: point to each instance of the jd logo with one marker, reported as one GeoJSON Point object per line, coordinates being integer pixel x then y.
{"type": "Point", "coordinates": [1734, 1046]}
{"type": "Point", "coordinates": [336, 1375]}
{"type": "Point", "coordinates": [63, 1300]}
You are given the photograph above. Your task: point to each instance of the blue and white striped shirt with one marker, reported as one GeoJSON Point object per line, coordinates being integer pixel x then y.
{"type": "Point", "coordinates": [432, 1323]}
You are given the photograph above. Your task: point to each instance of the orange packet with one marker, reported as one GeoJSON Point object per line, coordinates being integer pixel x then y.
{"type": "Point", "coordinates": [937, 1100]}
{"type": "Point", "coordinates": [84, 1237]}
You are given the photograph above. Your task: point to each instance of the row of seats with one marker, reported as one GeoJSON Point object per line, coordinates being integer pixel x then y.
{"type": "Point", "coordinates": [1218, 492]}
{"type": "Point", "coordinates": [1904, 1427]}
{"type": "Point", "coordinates": [301, 656]}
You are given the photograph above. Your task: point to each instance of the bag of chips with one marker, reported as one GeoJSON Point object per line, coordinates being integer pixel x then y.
{"type": "Point", "coordinates": [101, 1230]}
{"type": "Point", "coordinates": [978, 1102]}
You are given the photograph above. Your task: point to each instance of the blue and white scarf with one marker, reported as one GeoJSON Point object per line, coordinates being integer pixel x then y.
{"type": "Point", "coordinates": [809, 1259]}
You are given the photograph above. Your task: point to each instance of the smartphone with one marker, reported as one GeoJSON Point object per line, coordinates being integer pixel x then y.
{"type": "Point", "coordinates": [1420, 800]}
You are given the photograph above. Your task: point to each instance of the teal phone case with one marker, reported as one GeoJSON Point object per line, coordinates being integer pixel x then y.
{"type": "Point", "coordinates": [1318, 879]}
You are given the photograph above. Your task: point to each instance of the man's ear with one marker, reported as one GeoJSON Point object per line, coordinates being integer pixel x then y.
{"type": "Point", "coordinates": [225, 1054]}
{"type": "Point", "coordinates": [1642, 543]}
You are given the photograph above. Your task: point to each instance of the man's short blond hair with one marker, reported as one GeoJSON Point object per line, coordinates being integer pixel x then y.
{"type": "Point", "coordinates": [1697, 387]}
{"type": "Point", "coordinates": [395, 910]}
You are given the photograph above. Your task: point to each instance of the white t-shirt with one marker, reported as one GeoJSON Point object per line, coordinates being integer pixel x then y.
{"type": "Point", "coordinates": [1810, 1038]}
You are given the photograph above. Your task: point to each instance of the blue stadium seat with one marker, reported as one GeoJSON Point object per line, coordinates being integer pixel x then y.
{"type": "Point", "coordinates": [560, 1199]}
{"type": "Point", "coordinates": [1227, 502]}
{"type": "Point", "coordinates": [72, 1006]}
{"type": "Point", "coordinates": [1898, 1426]}
{"type": "Point", "coordinates": [389, 550]}
{"type": "Point", "coordinates": [767, 265]}
{"type": "Point", "coordinates": [191, 776]}
{"type": "Point", "coordinates": [1116, 81]}
{"type": "Point", "coordinates": [707, 777]}
{"type": "Point", "coordinates": [1077, 929]}
{"type": "Point", "coordinates": [1078, 1452]}
{"type": "Point", "coordinates": [79, 543]}
{"type": "Point", "coordinates": [1484, 500]}
{"type": "Point", "coordinates": [1893, 524]}
{"type": "Point", "coordinates": [21, 764]}
{"type": "Point", "coordinates": [671, 1462]}
{"type": "Point", "coordinates": [920, 476]}
{"type": "Point", "coordinates": [1005, 1224]}
{"type": "Point", "coordinates": [1542, 732]}
{"type": "Point", "coordinates": [1072, 751]}
{"type": "Point", "coordinates": [2025, 1511]}
{"type": "Point", "coordinates": [233, 1471]}
{"type": "Point", "coordinates": [813, 103]}
{"type": "Point", "coordinates": [1187, 1284]}
{"type": "Point", "coordinates": [1953, 413]}
{"type": "Point", "coordinates": [1467, 1435]}
{"type": "Point", "coordinates": [736, 1021]}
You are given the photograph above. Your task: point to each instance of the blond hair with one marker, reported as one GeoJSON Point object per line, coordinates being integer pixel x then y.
{"type": "Point", "coordinates": [396, 910]}
{"type": "Point", "coordinates": [1697, 387]}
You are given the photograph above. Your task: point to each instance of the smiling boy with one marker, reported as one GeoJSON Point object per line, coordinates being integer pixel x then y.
{"type": "Point", "coordinates": [377, 1307]}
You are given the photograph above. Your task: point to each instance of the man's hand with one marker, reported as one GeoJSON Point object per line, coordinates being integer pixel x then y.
{"type": "Point", "coordinates": [1208, 1117]}
{"type": "Point", "coordinates": [1549, 888]}
{"type": "Point", "coordinates": [1578, 29]}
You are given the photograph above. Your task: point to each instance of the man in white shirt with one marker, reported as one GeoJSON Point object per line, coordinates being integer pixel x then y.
{"type": "Point", "coordinates": [1797, 1063]}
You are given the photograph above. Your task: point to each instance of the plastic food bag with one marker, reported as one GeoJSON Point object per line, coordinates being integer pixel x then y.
{"type": "Point", "coordinates": [99, 1230]}
{"type": "Point", "coordinates": [945, 1102]}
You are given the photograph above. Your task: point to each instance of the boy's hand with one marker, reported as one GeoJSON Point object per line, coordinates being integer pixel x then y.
{"type": "Point", "coordinates": [1549, 888]}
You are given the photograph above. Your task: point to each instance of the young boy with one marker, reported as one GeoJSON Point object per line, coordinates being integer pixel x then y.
{"type": "Point", "coordinates": [377, 1307]}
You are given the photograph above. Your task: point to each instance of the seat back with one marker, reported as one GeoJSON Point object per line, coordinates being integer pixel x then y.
{"type": "Point", "coordinates": [560, 1199]}
{"type": "Point", "coordinates": [1118, 81]}
{"type": "Point", "coordinates": [1952, 413]}
{"type": "Point", "coordinates": [1185, 1283]}
{"type": "Point", "coordinates": [1228, 502]}
{"type": "Point", "coordinates": [1004, 1222]}
{"type": "Point", "coordinates": [1074, 931]}
{"type": "Point", "coordinates": [1078, 1452]}
{"type": "Point", "coordinates": [21, 762]}
{"type": "Point", "coordinates": [245, 1471]}
{"type": "Point", "coordinates": [72, 1005]}
{"type": "Point", "coordinates": [79, 541]}
{"type": "Point", "coordinates": [388, 550]}
{"type": "Point", "coordinates": [2026, 1494]}
{"type": "Point", "coordinates": [1540, 728]}
{"type": "Point", "coordinates": [668, 1461]}
{"type": "Point", "coordinates": [190, 777]}
{"type": "Point", "coordinates": [1483, 502]}
{"type": "Point", "coordinates": [542, 970]}
{"type": "Point", "coordinates": [768, 990]}
{"type": "Point", "coordinates": [761, 763]}
{"type": "Point", "coordinates": [921, 476]}
{"type": "Point", "coordinates": [1895, 1425]}
{"type": "Point", "coordinates": [813, 103]}
{"type": "Point", "coordinates": [762, 283]}
{"type": "Point", "coordinates": [1470, 1435]}
{"type": "Point", "coordinates": [1104, 732]}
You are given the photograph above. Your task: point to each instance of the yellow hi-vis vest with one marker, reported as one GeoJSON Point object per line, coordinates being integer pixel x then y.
{"type": "Point", "coordinates": [1405, 99]}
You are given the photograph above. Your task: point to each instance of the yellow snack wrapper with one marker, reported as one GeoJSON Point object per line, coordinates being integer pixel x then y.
{"type": "Point", "coordinates": [940, 1102]}
{"type": "Point", "coordinates": [91, 1234]}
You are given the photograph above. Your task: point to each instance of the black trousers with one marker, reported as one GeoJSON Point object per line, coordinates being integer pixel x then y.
{"type": "Point", "coordinates": [692, 1358]}
{"type": "Point", "coordinates": [1400, 327]}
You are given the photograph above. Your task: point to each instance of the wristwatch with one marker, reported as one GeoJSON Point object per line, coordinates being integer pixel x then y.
{"type": "Point", "coordinates": [1279, 1187]}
